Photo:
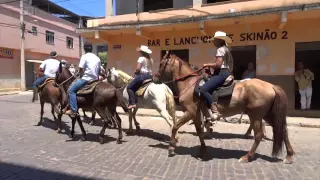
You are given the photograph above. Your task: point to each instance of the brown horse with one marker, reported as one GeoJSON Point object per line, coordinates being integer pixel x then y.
{"type": "Point", "coordinates": [51, 94]}
{"type": "Point", "coordinates": [103, 99]}
{"type": "Point", "coordinates": [260, 99]}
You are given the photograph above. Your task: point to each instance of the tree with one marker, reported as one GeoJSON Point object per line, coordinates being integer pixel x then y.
{"type": "Point", "coordinates": [104, 58]}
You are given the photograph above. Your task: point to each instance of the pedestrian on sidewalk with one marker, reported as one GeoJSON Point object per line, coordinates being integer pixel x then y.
{"type": "Point", "coordinates": [304, 78]}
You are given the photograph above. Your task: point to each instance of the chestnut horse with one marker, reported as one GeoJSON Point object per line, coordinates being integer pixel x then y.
{"type": "Point", "coordinates": [260, 99]}
{"type": "Point", "coordinates": [103, 99]}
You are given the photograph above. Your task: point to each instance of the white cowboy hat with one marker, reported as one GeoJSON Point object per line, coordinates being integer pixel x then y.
{"type": "Point", "coordinates": [145, 49]}
{"type": "Point", "coordinates": [221, 35]}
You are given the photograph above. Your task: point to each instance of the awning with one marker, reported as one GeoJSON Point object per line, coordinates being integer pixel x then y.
{"type": "Point", "coordinates": [35, 61]}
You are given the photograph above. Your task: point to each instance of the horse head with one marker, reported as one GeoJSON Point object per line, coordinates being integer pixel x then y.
{"type": "Point", "coordinates": [62, 74]}
{"type": "Point", "coordinates": [112, 75]}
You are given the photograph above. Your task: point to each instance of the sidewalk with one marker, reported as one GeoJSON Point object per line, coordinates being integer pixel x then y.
{"type": "Point", "coordinates": [291, 121]}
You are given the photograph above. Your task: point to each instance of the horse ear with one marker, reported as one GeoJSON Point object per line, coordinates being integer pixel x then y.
{"type": "Point", "coordinates": [60, 67]}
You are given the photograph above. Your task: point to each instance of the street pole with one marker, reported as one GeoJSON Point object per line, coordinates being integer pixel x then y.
{"type": "Point", "coordinates": [22, 57]}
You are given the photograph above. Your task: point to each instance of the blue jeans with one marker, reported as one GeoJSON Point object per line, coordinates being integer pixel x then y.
{"type": "Point", "coordinates": [213, 83]}
{"type": "Point", "coordinates": [40, 81]}
{"type": "Point", "coordinates": [80, 83]}
{"type": "Point", "coordinates": [134, 85]}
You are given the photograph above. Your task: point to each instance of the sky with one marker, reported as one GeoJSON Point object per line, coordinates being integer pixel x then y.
{"type": "Point", "coordinates": [95, 8]}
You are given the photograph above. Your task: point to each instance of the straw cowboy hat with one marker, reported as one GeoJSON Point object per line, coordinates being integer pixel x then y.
{"type": "Point", "coordinates": [144, 49]}
{"type": "Point", "coordinates": [221, 35]}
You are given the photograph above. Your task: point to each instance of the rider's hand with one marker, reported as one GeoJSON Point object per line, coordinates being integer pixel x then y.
{"type": "Point", "coordinates": [205, 65]}
{"type": "Point", "coordinates": [100, 78]}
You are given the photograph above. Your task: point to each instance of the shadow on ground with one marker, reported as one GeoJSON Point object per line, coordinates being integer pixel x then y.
{"type": "Point", "coordinates": [13, 171]}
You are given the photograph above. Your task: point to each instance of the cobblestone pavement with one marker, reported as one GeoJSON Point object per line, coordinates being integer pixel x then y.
{"type": "Point", "coordinates": [30, 152]}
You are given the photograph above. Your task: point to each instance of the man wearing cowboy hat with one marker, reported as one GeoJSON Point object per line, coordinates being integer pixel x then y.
{"type": "Point", "coordinates": [223, 66]}
{"type": "Point", "coordinates": [48, 69]}
{"type": "Point", "coordinates": [143, 72]}
{"type": "Point", "coordinates": [89, 68]}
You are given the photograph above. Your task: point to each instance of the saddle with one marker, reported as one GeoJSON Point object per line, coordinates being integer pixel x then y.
{"type": "Point", "coordinates": [144, 86]}
{"type": "Point", "coordinates": [49, 80]}
{"type": "Point", "coordinates": [224, 91]}
{"type": "Point", "coordinates": [88, 88]}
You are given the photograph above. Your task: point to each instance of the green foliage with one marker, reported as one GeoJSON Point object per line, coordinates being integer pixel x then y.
{"type": "Point", "coordinates": [104, 57]}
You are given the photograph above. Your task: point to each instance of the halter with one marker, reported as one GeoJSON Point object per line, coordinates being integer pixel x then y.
{"type": "Point", "coordinates": [75, 75]}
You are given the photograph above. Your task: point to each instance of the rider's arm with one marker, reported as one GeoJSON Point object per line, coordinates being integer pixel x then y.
{"type": "Point", "coordinates": [218, 59]}
{"type": "Point", "coordinates": [139, 65]}
{"type": "Point", "coordinates": [82, 66]}
{"type": "Point", "coordinates": [42, 68]}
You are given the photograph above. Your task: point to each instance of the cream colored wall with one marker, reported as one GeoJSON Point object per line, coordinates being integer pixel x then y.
{"type": "Point", "coordinates": [274, 57]}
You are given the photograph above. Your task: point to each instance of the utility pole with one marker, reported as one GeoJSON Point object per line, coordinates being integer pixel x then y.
{"type": "Point", "coordinates": [22, 57]}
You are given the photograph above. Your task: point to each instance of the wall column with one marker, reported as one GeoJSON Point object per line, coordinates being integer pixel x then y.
{"type": "Point", "coordinates": [109, 8]}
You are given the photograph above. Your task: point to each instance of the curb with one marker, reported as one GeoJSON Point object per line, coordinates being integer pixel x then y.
{"type": "Point", "coordinates": [9, 93]}
{"type": "Point", "coordinates": [244, 121]}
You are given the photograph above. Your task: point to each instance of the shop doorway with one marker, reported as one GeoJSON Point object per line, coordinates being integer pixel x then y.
{"type": "Point", "coordinates": [30, 76]}
{"type": "Point", "coordinates": [242, 56]}
{"type": "Point", "coordinates": [309, 54]}
{"type": "Point", "coordinates": [184, 55]}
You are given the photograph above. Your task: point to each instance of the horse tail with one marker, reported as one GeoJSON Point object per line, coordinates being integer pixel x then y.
{"type": "Point", "coordinates": [278, 113]}
{"type": "Point", "coordinates": [121, 100]}
{"type": "Point", "coordinates": [171, 105]}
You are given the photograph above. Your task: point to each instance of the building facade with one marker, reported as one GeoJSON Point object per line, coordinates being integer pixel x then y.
{"type": "Point", "coordinates": [44, 33]}
{"type": "Point", "coordinates": [272, 34]}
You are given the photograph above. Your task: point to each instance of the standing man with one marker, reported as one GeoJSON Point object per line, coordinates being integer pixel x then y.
{"type": "Point", "coordinates": [250, 73]}
{"type": "Point", "coordinates": [304, 77]}
{"type": "Point", "coordinates": [89, 68]}
{"type": "Point", "coordinates": [48, 69]}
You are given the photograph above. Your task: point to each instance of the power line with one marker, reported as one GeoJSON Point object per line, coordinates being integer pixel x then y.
{"type": "Point", "coordinates": [9, 2]}
{"type": "Point", "coordinates": [80, 9]}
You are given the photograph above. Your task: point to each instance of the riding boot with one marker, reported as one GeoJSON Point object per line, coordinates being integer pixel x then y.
{"type": "Point", "coordinates": [35, 94]}
{"type": "Point", "coordinates": [215, 113]}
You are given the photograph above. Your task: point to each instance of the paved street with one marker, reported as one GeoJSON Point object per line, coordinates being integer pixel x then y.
{"type": "Point", "coordinates": [31, 152]}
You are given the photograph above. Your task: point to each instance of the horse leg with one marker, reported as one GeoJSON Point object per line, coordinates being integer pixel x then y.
{"type": "Point", "coordinates": [290, 152]}
{"type": "Point", "coordinates": [41, 113]}
{"type": "Point", "coordinates": [165, 115]}
{"type": "Point", "coordinates": [247, 134]}
{"type": "Point", "coordinates": [258, 135]}
{"type": "Point", "coordinates": [84, 113]}
{"type": "Point", "coordinates": [187, 116]}
{"type": "Point", "coordinates": [136, 123]}
{"type": "Point", "coordinates": [73, 119]}
{"type": "Point", "coordinates": [55, 118]}
{"type": "Point", "coordinates": [130, 130]}
{"type": "Point", "coordinates": [93, 117]}
{"type": "Point", "coordinates": [199, 129]}
{"type": "Point", "coordinates": [83, 137]}
{"type": "Point", "coordinates": [118, 121]}
{"type": "Point", "coordinates": [105, 115]}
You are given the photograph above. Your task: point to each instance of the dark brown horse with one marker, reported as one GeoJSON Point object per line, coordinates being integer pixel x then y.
{"type": "Point", "coordinates": [51, 94]}
{"type": "Point", "coordinates": [103, 100]}
{"type": "Point", "coordinates": [260, 99]}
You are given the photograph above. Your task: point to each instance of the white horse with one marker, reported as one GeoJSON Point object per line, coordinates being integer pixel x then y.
{"type": "Point", "coordinates": [155, 96]}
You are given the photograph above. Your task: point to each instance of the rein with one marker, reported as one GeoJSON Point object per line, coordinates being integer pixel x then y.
{"type": "Point", "coordinates": [75, 75]}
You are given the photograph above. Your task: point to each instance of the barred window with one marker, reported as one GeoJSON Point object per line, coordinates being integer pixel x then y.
{"type": "Point", "coordinates": [50, 37]}
{"type": "Point", "coordinates": [69, 42]}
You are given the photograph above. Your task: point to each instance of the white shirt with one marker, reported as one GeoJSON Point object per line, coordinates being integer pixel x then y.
{"type": "Point", "coordinates": [91, 65]}
{"type": "Point", "coordinates": [221, 52]}
{"type": "Point", "coordinates": [50, 67]}
{"type": "Point", "coordinates": [145, 67]}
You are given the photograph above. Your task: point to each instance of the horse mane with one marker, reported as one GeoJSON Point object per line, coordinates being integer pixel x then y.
{"type": "Point", "coordinates": [126, 78]}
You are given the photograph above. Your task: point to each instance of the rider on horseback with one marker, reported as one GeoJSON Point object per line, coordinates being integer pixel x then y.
{"type": "Point", "coordinates": [48, 69]}
{"type": "Point", "coordinates": [89, 68]}
{"type": "Point", "coordinates": [143, 72]}
{"type": "Point", "coordinates": [223, 66]}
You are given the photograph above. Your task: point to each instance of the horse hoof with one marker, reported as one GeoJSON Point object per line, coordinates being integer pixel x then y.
{"type": "Point", "coordinates": [70, 136]}
{"type": "Point", "coordinates": [171, 152]}
{"type": "Point", "coordinates": [91, 123]}
{"type": "Point", "coordinates": [119, 141]}
{"type": "Point", "coordinates": [39, 124]}
{"type": "Point", "coordinates": [243, 160]}
{"type": "Point", "coordinates": [58, 131]}
{"type": "Point", "coordinates": [130, 132]}
{"type": "Point", "coordinates": [101, 140]}
{"type": "Point", "coordinates": [83, 138]}
{"type": "Point", "coordinates": [287, 161]}
{"type": "Point", "coordinates": [138, 129]}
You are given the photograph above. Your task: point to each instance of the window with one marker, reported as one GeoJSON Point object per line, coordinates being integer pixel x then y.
{"type": "Point", "coordinates": [50, 37]}
{"type": "Point", "coordinates": [150, 5]}
{"type": "Point", "coordinates": [34, 30]}
{"type": "Point", "coordinates": [70, 42]}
